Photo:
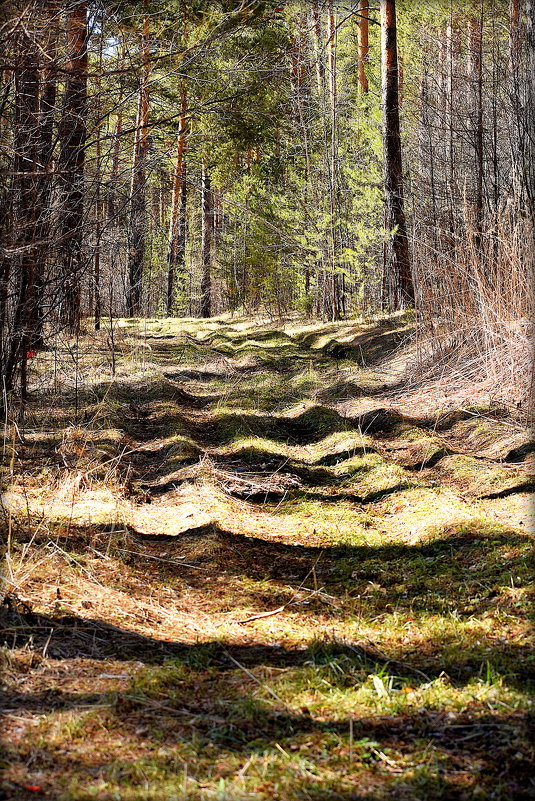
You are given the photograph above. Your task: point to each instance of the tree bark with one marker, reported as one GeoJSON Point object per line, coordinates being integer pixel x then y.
{"type": "Point", "coordinates": [398, 276]}
{"type": "Point", "coordinates": [99, 205]}
{"type": "Point", "coordinates": [336, 301]}
{"type": "Point", "coordinates": [475, 68]}
{"type": "Point", "coordinates": [72, 159]}
{"type": "Point", "coordinates": [45, 166]}
{"type": "Point", "coordinates": [25, 204]}
{"type": "Point", "coordinates": [176, 249]}
{"type": "Point", "coordinates": [112, 212]}
{"type": "Point", "coordinates": [529, 109]}
{"type": "Point", "coordinates": [206, 246]}
{"type": "Point", "coordinates": [138, 222]}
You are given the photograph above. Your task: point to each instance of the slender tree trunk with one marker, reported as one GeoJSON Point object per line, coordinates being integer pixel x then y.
{"type": "Point", "coordinates": [99, 205]}
{"type": "Point", "coordinates": [476, 77]}
{"type": "Point", "coordinates": [364, 6]}
{"type": "Point", "coordinates": [72, 159]}
{"type": "Point", "coordinates": [138, 222]}
{"type": "Point", "coordinates": [397, 259]}
{"type": "Point", "coordinates": [451, 133]}
{"type": "Point", "coordinates": [176, 249]}
{"type": "Point", "coordinates": [333, 193]}
{"type": "Point", "coordinates": [323, 308]}
{"type": "Point", "coordinates": [528, 114]}
{"type": "Point", "coordinates": [25, 188]}
{"type": "Point", "coordinates": [427, 128]}
{"type": "Point", "coordinates": [318, 48]}
{"type": "Point", "coordinates": [47, 114]}
{"type": "Point", "coordinates": [206, 246]}
{"type": "Point", "coordinates": [6, 222]}
{"type": "Point", "coordinates": [515, 88]}
{"type": "Point", "coordinates": [112, 211]}
{"type": "Point", "coordinates": [301, 96]}
{"type": "Point", "coordinates": [112, 193]}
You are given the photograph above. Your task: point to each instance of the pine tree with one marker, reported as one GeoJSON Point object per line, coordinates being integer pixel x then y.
{"type": "Point", "coordinates": [73, 133]}
{"type": "Point", "coordinates": [397, 265]}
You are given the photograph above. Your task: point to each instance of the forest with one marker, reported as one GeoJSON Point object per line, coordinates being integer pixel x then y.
{"type": "Point", "coordinates": [267, 311]}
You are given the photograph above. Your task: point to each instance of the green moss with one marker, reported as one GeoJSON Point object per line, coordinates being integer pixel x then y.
{"type": "Point", "coordinates": [182, 450]}
{"type": "Point", "coordinates": [479, 477]}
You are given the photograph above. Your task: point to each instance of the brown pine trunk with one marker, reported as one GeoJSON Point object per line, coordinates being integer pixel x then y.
{"type": "Point", "coordinates": [25, 210]}
{"type": "Point", "coordinates": [206, 246]}
{"type": "Point", "coordinates": [138, 222]}
{"type": "Point", "coordinates": [176, 249]}
{"type": "Point", "coordinates": [364, 6]}
{"type": "Point", "coordinates": [72, 158]}
{"type": "Point", "coordinates": [398, 276]}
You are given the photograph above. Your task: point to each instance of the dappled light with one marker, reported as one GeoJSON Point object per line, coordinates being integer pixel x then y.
{"type": "Point", "coordinates": [267, 390]}
{"type": "Point", "coordinates": [228, 586]}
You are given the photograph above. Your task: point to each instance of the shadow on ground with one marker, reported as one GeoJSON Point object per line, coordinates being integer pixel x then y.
{"type": "Point", "coordinates": [210, 714]}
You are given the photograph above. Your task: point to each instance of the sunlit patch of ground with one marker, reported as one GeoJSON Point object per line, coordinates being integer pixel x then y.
{"type": "Point", "coordinates": [243, 567]}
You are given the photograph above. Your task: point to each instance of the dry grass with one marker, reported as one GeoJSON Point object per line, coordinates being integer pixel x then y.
{"type": "Point", "coordinates": [211, 605]}
{"type": "Point", "coordinates": [483, 334]}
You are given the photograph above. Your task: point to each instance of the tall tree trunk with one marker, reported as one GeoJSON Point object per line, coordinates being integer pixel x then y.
{"type": "Point", "coordinates": [450, 181]}
{"type": "Point", "coordinates": [333, 188]}
{"type": "Point", "coordinates": [206, 246]}
{"type": "Point", "coordinates": [138, 222]}
{"type": "Point", "coordinates": [72, 158]}
{"type": "Point", "coordinates": [514, 65]}
{"type": "Point", "coordinates": [301, 100]}
{"type": "Point", "coordinates": [47, 114]}
{"type": "Point", "coordinates": [318, 47]}
{"type": "Point", "coordinates": [176, 248]}
{"type": "Point", "coordinates": [529, 109]}
{"type": "Point", "coordinates": [475, 68]}
{"type": "Point", "coordinates": [6, 221]}
{"type": "Point", "coordinates": [25, 196]}
{"type": "Point", "coordinates": [116, 153]}
{"type": "Point", "coordinates": [364, 7]}
{"type": "Point", "coordinates": [99, 205]}
{"type": "Point", "coordinates": [112, 214]}
{"type": "Point", "coordinates": [427, 131]}
{"type": "Point", "coordinates": [397, 259]}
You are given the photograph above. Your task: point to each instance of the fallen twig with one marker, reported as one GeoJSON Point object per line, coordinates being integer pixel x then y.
{"type": "Point", "coordinates": [263, 614]}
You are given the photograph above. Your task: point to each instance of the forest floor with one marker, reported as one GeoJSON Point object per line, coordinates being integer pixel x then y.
{"type": "Point", "coordinates": [257, 564]}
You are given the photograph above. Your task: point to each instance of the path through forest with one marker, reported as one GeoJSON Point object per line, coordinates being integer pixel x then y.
{"type": "Point", "coordinates": [258, 565]}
